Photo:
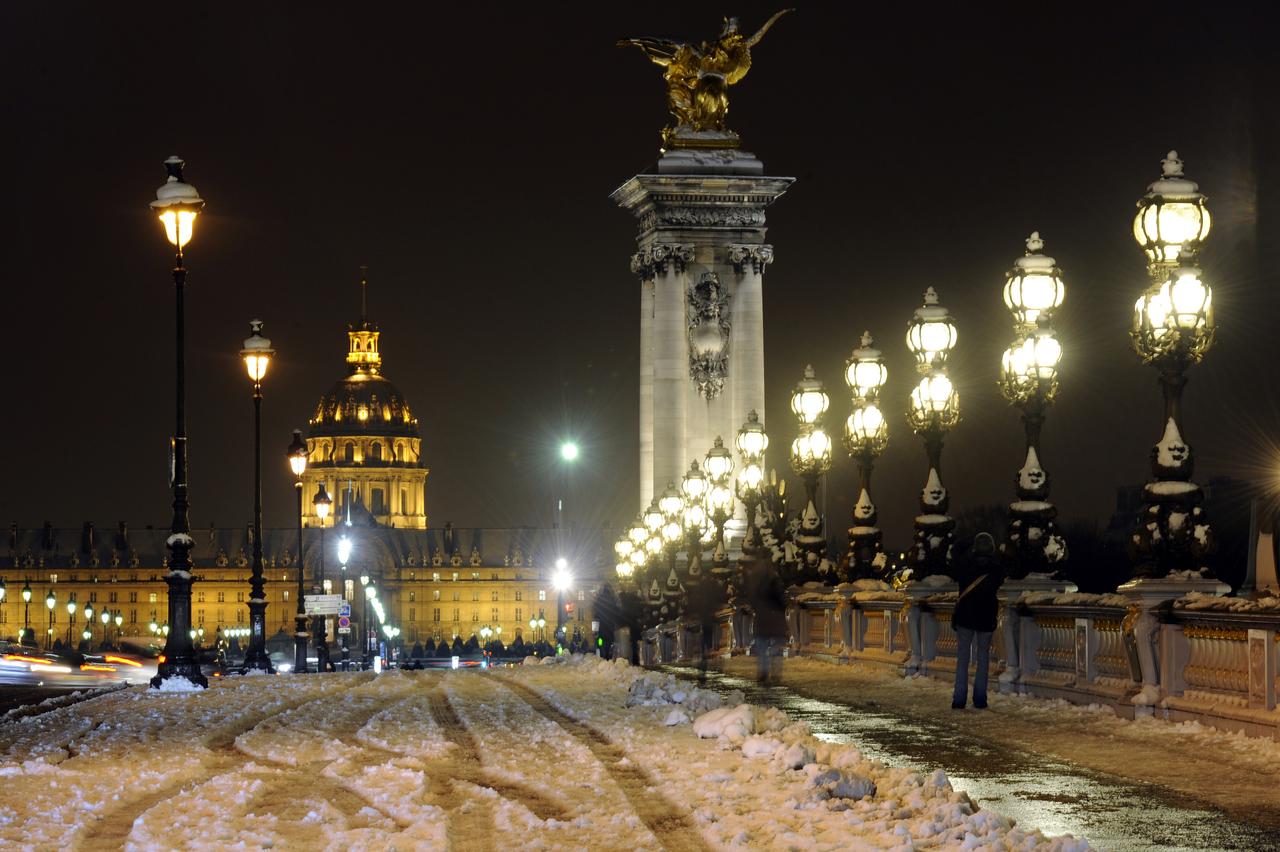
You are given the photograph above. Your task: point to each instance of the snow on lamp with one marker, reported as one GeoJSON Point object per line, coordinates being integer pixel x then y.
{"type": "Point", "coordinates": [1173, 218]}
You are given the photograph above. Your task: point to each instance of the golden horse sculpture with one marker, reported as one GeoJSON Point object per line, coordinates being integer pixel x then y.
{"type": "Point", "coordinates": [698, 80]}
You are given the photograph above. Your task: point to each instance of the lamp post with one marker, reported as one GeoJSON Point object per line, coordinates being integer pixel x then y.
{"type": "Point", "coordinates": [364, 619]}
{"type": "Point", "coordinates": [810, 460]}
{"type": "Point", "coordinates": [671, 505]}
{"type": "Point", "coordinates": [344, 554]}
{"type": "Point", "coordinates": [118, 618]}
{"type": "Point", "coordinates": [88, 622]}
{"type": "Point", "coordinates": [934, 410]}
{"type": "Point", "coordinates": [1173, 329]}
{"type": "Point", "coordinates": [321, 504]}
{"type": "Point", "coordinates": [1029, 380]}
{"type": "Point", "coordinates": [694, 487]}
{"type": "Point", "coordinates": [71, 616]}
{"type": "Point", "coordinates": [562, 580]}
{"type": "Point", "coordinates": [257, 353]}
{"type": "Point", "coordinates": [718, 464]}
{"type": "Point", "coordinates": [50, 600]}
{"type": "Point", "coordinates": [297, 455]}
{"type": "Point", "coordinates": [178, 204]}
{"type": "Point", "coordinates": [866, 435]}
{"type": "Point", "coordinates": [26, 611]}
{"type": "Point", "coordinates": [105, 615]}
{"type": "Point", "coordinates": [752, 441]}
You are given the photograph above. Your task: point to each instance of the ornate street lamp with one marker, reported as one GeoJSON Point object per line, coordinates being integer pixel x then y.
{"type": "Point", "coordinates": [752, 441]}
{"type": "Point", "coordinates": [1173, 329]}
{"type": "Point", "coordinates": [72, 606]}
{"type": "Point", "coordinates": [1029, 380]}
{"type": "Point", "coordinates": [26, 610]}
{"type": "Point", "coordinates": [671, 505]}
{"type": "Point", "coordinates": [51, 601]}
{"type": "Point", "coordinates": [321, 504]}
{"type": "Point", "coordinates": [178, 204]}
{"type": "Point", "coordinates": [257, 354]}
{"type": "Point", "coordinates": [623, 566]}
{"type": "Point", "coordinates": [810, 459]}
{"type": "Point", "coordinates": [694, 488]}
{"type": "Point", "coordinates": [866, 435]}
{"type": "Point", "coordinates": [88, 621]}
{"type": "Point", "coordinates": [934, 410]}
{"type": "Point", "coordinates": [297, 455]}
{"type": "Point", "coordinates": [106, 624]}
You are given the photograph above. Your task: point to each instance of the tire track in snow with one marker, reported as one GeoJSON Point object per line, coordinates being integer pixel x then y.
{"type": "Point", "coordinates": [112, 830]}
{"type": "Point", "coordinates": [667, 820]}
{"type": "Point", "coordinates": [466, 765]}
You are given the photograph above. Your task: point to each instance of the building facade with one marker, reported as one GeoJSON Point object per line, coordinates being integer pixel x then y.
{"type": "Point", "coordinates": [435, 583]}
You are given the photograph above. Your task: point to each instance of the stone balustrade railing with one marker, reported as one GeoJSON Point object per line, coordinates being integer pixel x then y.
{"type": "Point", "coordinates": [1193, 656]}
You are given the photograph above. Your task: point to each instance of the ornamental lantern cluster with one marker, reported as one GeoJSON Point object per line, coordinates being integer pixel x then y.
{"type": "Point", "coordinates": [866, 436]}
{"type": "Point", "coordinates": [811, 459]}
{"type": "Point", "coordinates": [934, 411]}
{"type": "Point", "coordinates": [1173, 329]}
{"type": "Point", "coordinates": [1033, 290]}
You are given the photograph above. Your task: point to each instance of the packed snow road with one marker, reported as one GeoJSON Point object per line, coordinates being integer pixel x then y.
{"type": "Point", "coordinates": [577, 754]}
{"type": "Point", "coordinates": [1122, 785]}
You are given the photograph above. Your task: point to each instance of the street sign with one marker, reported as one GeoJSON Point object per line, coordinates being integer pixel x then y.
{"type": "Point", "coordinates": [344, 629]}
{"type": "Point", "coordinates": [321, 604]}
{"type": "Point", "coordinates": [344, 622]}
{"type": "Point", "coordinates": [345, 609]}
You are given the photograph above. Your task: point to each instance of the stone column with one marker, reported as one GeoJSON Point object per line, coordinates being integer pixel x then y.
{"type": "Point", "coordinates": [701, 243]}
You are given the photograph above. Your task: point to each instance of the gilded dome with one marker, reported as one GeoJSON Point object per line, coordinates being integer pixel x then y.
{"type": "Point", "coordinates": [363, 403]}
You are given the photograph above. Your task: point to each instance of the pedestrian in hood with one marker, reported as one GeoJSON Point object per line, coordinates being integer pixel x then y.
{"type": "Point", "coordinates": [979, 574]}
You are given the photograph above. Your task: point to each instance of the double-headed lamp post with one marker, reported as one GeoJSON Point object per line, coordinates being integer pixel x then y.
{"type": "Point", "coordinates": [934, 409]}
{"type": "Point", "coordinates": [718, 465]}
{"type": "Point", "coordinates": [257, 354]}
{"type": "Point", "coordinates": [297, 454]}
{"type": "Point", "coordinates": [671, 504]}
{"type": "Point", "coordinates": [1173, 328]}
{"type": "Point", "coordinates": [810, 460]}
{"type": "Point", "coordinates": [694, 488]}
{"type": "Point", "coordinates": [866, 435]}
{"type": "Point", "coordinates": [623, 567]}
{"type": "Point", "coordinates": [1029, 380]}
{"type": "Point", "coordinates": [178, 204]}
{"type": "Point", "coordinates": [752, 441]}
{"type": "Point", "coordinates": [320, 504]}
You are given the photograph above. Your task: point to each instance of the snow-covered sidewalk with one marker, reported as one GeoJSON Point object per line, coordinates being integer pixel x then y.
{"type": "Point", "coordinates": [571, 754]}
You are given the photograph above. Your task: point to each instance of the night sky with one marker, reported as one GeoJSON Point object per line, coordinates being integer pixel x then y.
{"type": "Point", "coordinates": [466, 155]}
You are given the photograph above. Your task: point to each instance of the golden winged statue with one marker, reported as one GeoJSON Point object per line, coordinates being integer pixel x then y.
{"type": "Point", "coordinates": [698, 80]}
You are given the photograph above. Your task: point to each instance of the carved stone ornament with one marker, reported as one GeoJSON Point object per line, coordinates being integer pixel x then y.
{"type": "Point", "coordinates": [702, 217]}
{"type": "Point", "coordinates": [708, 334]}
{"type": "Point", "coordinates": [757, 256]}
{"type": "Point", "coordinates": [653, 260]}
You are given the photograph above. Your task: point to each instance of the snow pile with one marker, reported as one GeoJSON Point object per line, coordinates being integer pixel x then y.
{"type": "Point", "coordinates": [1073, 599]}
{"type": "Point", "coordinates": [1214, 603]}
{"type": "Point", "coordinates": [177, 683]}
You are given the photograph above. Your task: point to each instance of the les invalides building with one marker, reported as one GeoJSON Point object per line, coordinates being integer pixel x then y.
{"type": "Point", "coordinates": [364, 448]}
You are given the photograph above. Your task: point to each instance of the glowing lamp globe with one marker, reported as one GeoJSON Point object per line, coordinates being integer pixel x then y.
{"type": "Point", "coordinates": [865, 372]}
{"type": "Point", "coordinates": [809, 399]}
{"type": "Point", "coordinates": [1172, 218]}
{"type": "Point", "coordinates": [344, 549]}
{"type": "Point", "coordinates": [670, 502]}
{"type": "Point", "coordinates": [931, 334]}
{"type": "Point", "coordinates": [50, 600]}
{"type": "Point", "coordinates": [694, 485]}
{"type": "Point", "coordinates": [934, 401]}
{"type": "Point", "coordinates": [720, 500]}
{"type": "Point", "coordinates": [653, 518]}
{"type": "Point", "coordinates": [718, 463]}
{"type": "Point", "coordinates": [1034, 285]}
{"type": "Point", "coordinates": [177, 204]}
{"type": "Point", "coordinates": [622, 547]}
{"type": "Point", "coordinates": [638, 533]}
{"type": "Point", "coordinates": [297, 454]}
{"type": "Point", "coordinates": [750, 477]}
{"type": "Point", "coordinates": [321, 502]}
{"type": "Point", "coordinates": [811, 451]}
{"type": "Point", "coordinates": [257, 352]}
{"type": "Point", "coordinates": [752, 440]}
{"type": "Point", "coordinates": [866, 430]}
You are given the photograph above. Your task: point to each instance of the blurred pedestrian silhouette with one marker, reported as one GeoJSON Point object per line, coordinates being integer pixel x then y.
{"type": "Point", "coordinates": [768, 598]}
{"type": "Point", "coordinates": [979, 575]}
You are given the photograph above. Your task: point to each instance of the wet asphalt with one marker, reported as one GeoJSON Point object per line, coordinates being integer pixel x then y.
{"type": "Point", "coordinates": [1042, 792]}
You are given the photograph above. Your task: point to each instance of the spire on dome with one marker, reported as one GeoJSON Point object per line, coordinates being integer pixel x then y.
{"type": "Point", "coordinates": [362, 354]}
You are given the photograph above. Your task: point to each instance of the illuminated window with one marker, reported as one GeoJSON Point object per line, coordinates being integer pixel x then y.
{"type": "Point", "coordinates": [413, 596]}
{"type": "Point", "coordinates": [519, 595]}
{"type": "Point", "coordinates": [151, 597]}
{"type": "Point", "coordinates": [435, 614]}
{"type": "Point", "coordinates": [542, 594]}
{"type": "Point", "coordinates": [435, 596]}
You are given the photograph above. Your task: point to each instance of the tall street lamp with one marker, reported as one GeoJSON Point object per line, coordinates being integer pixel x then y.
{"type": "Point", "coordinates": [105, 615]}
{"type": "Point", "coordinates": [752, 441]}
{"type": "Point", "coordinates": [257, 354]}
{"type": "Point", "coordinates": [561, 580]}
{"type": "Point", "coordinates": [866, 435]}
{"type": "Point", "coordinates": [51, 601]}
{"type": "Point", "coordinates": [694, 487]}
{"type": "Point", "coordinates": [718, 465]}
{"type": "Point", "coordinates": [1029, 380]}
{"type": "Point", "coordinates": [71, 617]}
{"type": "Point", "coordinates": [934, 410]}
{"type": "Point", "coordinates": [297, 454]}
{"type": "Point", "coordinates": [88, 622]}
{"type": "Point", "coordinates": [178, 204]}
{"type": "Point", "coordinates": [671, 504]}
{"type": "Point", "coordinates": [344, 554]}
{"type": "Point", "coordinates": [1173, 328]}
{"type": "Point", "coordinates": [810, 460]}
{"type": "Point", "coordinates": [26, 611]}
{"type": "Point", "coordinates": [321, 504]}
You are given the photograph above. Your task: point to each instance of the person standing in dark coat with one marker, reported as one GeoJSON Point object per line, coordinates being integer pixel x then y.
{"type": "Point", "coordinates": [767, 595]}
{"type": "Point", "coordinates": [979, 576]}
